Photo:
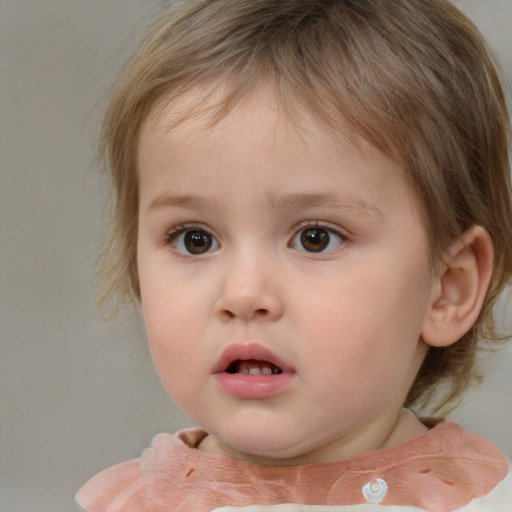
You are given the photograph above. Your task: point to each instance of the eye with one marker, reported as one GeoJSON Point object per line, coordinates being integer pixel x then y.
{"type": "Point", "coordinates": [193, 241]}
{"type": "Point", "coordinates": [317, 239]}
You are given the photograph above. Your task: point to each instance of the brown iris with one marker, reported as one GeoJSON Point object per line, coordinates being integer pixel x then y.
{"type": "Point", "coordinates": [197, 242]}
{"type": "Point", "coordinates": [314, 239]}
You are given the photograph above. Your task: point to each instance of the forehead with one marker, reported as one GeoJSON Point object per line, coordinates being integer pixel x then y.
{"type": "Point", "coordinates": [185, 142]}
{"type": "Point", "coordinates": [202, 113]}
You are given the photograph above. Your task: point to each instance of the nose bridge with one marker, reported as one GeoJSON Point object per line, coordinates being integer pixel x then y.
{"type": "Point", "coordinates": [249, 289]}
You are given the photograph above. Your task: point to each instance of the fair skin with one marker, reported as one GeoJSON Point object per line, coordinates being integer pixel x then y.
{"type": "Point", "coordinates": [294, 256]}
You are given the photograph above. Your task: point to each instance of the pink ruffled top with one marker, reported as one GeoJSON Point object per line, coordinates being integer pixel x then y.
{"type": "Point", "coordinates": [440, 471]}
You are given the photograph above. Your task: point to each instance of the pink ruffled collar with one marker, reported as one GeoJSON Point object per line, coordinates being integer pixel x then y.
{"type": "Point", "coordinates": [439, 471]}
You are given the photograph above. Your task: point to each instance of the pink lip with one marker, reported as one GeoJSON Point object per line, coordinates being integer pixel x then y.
{"type": "Point", "coordinates": [255, 387]}
{"type": "Point", "coordinates": [246, 352]}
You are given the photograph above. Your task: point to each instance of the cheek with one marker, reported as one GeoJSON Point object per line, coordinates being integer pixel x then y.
{"type": "Point", "coordinates": [168, 301]}
{"type": "Point", "coordinates": [368, 322]}
{"type": "Point", "coordinates": [175, 317]}
{"type": "Point", "coordinates": [174, 353]}
{"type": "Point", "coordinates": [172, 328]}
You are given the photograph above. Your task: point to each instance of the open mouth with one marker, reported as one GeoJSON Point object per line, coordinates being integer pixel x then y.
{"type": "Point", "coordinates": [252, 372]}
{"type": "Point", "coordinates": [253, 367]}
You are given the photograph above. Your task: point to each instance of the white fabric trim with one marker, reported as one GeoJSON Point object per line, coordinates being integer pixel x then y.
{"type": "Point", "coordinates": [293, 507]}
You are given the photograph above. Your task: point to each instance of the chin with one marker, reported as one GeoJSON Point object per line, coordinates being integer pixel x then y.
{"type": "Point", "coordinates": [264, 449]}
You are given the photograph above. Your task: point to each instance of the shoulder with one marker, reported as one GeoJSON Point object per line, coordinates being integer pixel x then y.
{"type": "Point", "coordinates": [499, 499]}
{"type": "Point", "coordinates": [129, 485]}
{"type": "Point", "coordinates": [108, 486]}
{"type": "Point", "coordinates": [453, 469]}
{"type": "Point", "coordinates": [489, 470]}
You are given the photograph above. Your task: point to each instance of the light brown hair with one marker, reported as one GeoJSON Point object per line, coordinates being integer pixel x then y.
{"type": "Point", "coordinates": [413, 77]}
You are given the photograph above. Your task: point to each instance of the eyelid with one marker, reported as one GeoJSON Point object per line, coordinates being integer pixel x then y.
{"type": "Point", "coordinates": [335, 228]}
{"type": "Point", "coordinates": [186, 226]}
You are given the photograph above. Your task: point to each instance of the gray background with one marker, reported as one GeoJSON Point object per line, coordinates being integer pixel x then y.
{"type": "Point", "coordinates": [77, 395]}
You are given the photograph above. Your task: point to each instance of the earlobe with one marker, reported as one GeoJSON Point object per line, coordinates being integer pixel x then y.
{"type": "Point", "coordinates": [460, 288]}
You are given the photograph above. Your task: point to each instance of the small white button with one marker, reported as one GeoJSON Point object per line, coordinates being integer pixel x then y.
{"type": "Point", "coordinates": [375, 490]}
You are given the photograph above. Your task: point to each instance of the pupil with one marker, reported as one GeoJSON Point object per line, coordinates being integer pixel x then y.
{"type": "Point", "coordinates": [314, 239]}
{"type": "Point", "coordinates": [197, 242]}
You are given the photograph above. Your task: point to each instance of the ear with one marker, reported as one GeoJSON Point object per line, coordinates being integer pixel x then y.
{"type": "Point", "coordinates": [460, 288]}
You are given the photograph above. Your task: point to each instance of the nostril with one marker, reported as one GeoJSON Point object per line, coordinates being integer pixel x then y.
{"type": "Point", "coordinates": [237, 304]}
{"type": "Point", "coordinates": [258, 313]}
{"type": "Point", "coordinates": [228, 314]}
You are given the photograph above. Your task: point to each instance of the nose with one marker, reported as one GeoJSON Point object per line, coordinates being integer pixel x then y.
{"type": "Point", "coordinates": [249, 291]}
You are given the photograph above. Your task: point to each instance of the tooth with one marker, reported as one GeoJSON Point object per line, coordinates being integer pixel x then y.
{"type": "Point", "coordinates": [266, 371]}
{"type": "Point", "coordinates": [255, 371]}
{"type": "Point", "coordinates": [244, 370]}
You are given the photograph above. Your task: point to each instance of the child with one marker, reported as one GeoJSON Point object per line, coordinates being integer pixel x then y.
{"type": "Point", "coordinates": [313, 209]}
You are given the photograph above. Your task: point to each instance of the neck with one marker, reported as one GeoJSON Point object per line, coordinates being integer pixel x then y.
{"type": "Point", "coordinates": [390, 432]}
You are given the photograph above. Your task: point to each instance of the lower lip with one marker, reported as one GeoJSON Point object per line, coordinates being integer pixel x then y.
{"type": "Point", "coordinates": [253, 387]}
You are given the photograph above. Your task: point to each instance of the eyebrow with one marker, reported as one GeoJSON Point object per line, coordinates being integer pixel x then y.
{"type": "Point", "coordinates": [180, 201]}
{"type": "Point", "coordinates": [352, 204]}
{"type": "Point", "coordinates": [283, 201]}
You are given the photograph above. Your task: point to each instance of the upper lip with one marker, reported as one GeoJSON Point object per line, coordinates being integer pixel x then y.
{"type": "Point", "coordinates": [245, 352]}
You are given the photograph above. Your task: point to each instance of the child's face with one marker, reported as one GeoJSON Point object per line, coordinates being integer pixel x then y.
{"type": "Point", "coordinates": [292, 256]}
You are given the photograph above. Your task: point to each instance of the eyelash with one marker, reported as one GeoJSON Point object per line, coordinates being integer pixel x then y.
{"type": "Point", "coordinates": [299, 231]}
{"type": "Point", "coordinates": [171, 235]}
